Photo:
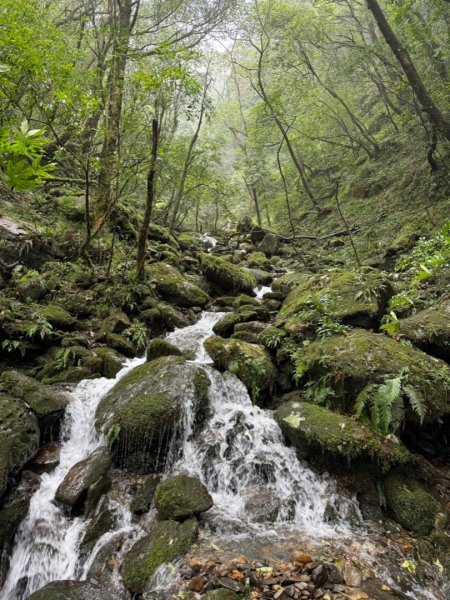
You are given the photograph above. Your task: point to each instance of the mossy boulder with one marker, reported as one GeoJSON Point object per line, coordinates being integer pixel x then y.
{"type": "Point", "coordinates": [164, 317]}
{"type": "Point", "coordinates": [257, 259]}
{"type": "Point", "coordinates": [271, 337]}
{"type": "Point", "coordinates": [80, 488]}
{"type": "Point", "coordinates": [226, 325]}
{"type": "Point", "coordinates": [116, 322]}
{"type": "Point", "coordinates": [353, 297]}
{"type": "Point", "coordinates": [255, 327]}
{"type": "Point", "coordinates": [174, 287]}
{"type": "Point", "coordinates": [411, 504]}
{"type": "Point", "coordinates": [269, 244]}
{"type": "Point", "coordinates": [72, 590]}
{"type": "Point", "coordinates": [288, 282]}
{"type": "Point", "coordinates": [227, 276]}
{"type": "Point", "coordinates": [315, 430]}
{"type": "Point", "coordinates": [112, 361]}
{"type": "Point", "coordinates": [261, 276]}
{"type": "Point", "coordinates": [19, 437]}
{"type": "Point", "coordinates": [189, 241]}
{"type": "Point", "coordinates": [47, 404]}
{"type": "Point", "coordinates": [168, 541]}
{"type": "Point", "coordinates": [250, 362]}
{"type": "Point", "coordinates": [120, 343]}
{"type": "Point", "coordinates": [163, 235]}
{"type": "Point", "coordinates": [159, 347]}
{"type": "Point", "coordinates": [181, 496]}
{"type": "Point", "coordinates": [351, 362]}
{"type": "Point", "coordinates": [244, 300]}
{"type": "Point", "coordinates": [144, 409]}
{"type": "Point", "coordinates": [429, 329]}
{"type": "Point", "coordinates": [245, 336]}
{"type": "Point", "coordinates": [143, 499]}
{"type": "Point", "coordinates": [57, 316]}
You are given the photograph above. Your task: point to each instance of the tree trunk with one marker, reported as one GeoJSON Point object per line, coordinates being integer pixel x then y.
{"type": "Point", "coordinates": [151, 178]}
{"type": "Point", "coordinates": [121, 22]}
{"type": "Point", "coordinates": [401, 53]}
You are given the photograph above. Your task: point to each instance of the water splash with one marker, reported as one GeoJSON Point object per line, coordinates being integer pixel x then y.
{"type": "Point", "coordinates": [47, 543]}
{"type": "Point", "coordinates": [190, 339]}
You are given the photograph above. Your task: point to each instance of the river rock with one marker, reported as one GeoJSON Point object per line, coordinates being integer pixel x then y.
{"type": "Point", "coordinates": [227, 276]}
{"type": "Point", "coordinates": [19, 437]}
{"type": "Point", "coordinates": [174, 287]}
{"type": "Point", "coordinates": [143, 410]}
{"type": "Point", "coordinates": [250, 362]}
{"type": "Point", "coordinates": [143, 499]}
{"type": "Point", "coordinates": [72, 590]}
{"type": "Point", "coordinates": [159, 347]}
{"type": "Point", "coordinates": [411, 505]}
{"type": "Point", "coordinates": [182, 496]}
{"type": "Point", "coordinates": [356, 298]}
{"type": "Point", "coordinates": [85, 482]}
{"type": "Point", "coordinates": [317, 431]}
{"type": "Point", "coordinates": [351, 362]}
{"type": "Point", "coordinates": [430, 330]}
{"type": "Point", "coordinates": [47, 404]}
{"type": "Point", "coordinates": [167, 542]}
{"type": "Point", "coordinates": [269, 244]}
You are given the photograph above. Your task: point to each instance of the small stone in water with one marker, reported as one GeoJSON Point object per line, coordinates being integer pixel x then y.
{"type": "Point", "coordinates": [300, 557]}
{"type": "Point", "coordinates": [197, 584]}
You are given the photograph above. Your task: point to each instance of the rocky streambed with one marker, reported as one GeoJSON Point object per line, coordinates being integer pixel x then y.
{"type": "Point", "coordinates": [220, 442]}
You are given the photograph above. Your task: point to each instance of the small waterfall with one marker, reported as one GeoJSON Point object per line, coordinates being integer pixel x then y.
{"type": "Point", "coordinates": [46, 545]}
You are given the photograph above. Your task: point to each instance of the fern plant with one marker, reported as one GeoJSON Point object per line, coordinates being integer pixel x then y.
{"type": "Point", "coordinates": [383, 405]}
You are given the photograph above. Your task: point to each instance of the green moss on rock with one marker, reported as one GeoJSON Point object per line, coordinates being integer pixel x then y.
{"type": "Point", "coordinates": [354, 297]}
{"type": "Point", "coordinates": [429, 329]}
{"type": "Point", "coordinates": [411, 505]}
{"type": "Point", "coordinates": [159, 347]}
{"type": "Point", "coordinates": [314, 429]}
{"type": "Point", "coordinates": [226, 325]}
{"type": "Point", "coordinates": [226, 275]}
{"type": "Point", "coordinates": [271, 337]}
{"type": "Point", "coordinates": [57, 316]}
{"type": "Point", "coordinates": [350, 362]}
{"type": "Point", "coordinates": [144, 409]}
{"type": "Point", "coordinates": [250, 362]}
{"type": "Point", "coordinates": [174, 287]}
{"type": "Point", "coordinates": [168, 541]}
{"type": "Point", "coordinates": [182, 496]}
{"type": "Point", "coordinates": [19, 437]}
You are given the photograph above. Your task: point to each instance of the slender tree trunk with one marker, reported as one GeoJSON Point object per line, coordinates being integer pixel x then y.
{"type": "Point", "coordinates": [151, 179]}
{"type": "Point", "coordinates": [188, 159]}
{"type": "Point", "coordinates": [401, 53]}
{"type": "Point", "coordinates": [122, 23]}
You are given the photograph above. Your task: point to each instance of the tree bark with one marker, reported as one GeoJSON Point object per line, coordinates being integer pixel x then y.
{"type": "Point", "coordinates": [121, 22]}
{"type": "Point", "coordinates": [151, 179]}
{"type": "Point", "coordinates": [401, 53]}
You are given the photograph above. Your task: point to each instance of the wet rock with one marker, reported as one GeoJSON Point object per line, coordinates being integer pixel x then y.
{"type": "Point", "coordinates": [356, 298]}
{"type": "Point", "coordinates": [118, 342]}
{"type": "Point", "coordinates": [164, 317]}
{"type": "Point", "coordinates": [314, 429]}
{"type": "Point", "coordinates": [116, 322]}
{"type": "Point", "coordinates": [46, 458]}
{"type": "Point", "coordinates": [71, 590]}
{"type": "Point", "coordinates": [226, 325]}
{"type": "Point", "coordinates": [269, 244]}
{"type": "Point", "coordinates": [351, 362]}
{"type": "Point", "coordinates": [251, 363]}
{"type": "Point", "coordinates": [19, 438]}
{"type": "Point", "coordinates": [227, 276]}
{"type": "Point", "coordinates": [430, 330]}
{"type": "Point", "coordinates": [111, 361]}
{"type": "Point", "coordinates": [85, 482]}
{"type": "Point", "coordinates": [47, 404]}
{"type": "Point", "coordinates": [182, 496]}
{"type": "Point", "coordinates": [98, 526]}
{"type": "Point", "coordinates": [143, 410]}
{"type": "Point", "coordinates": [159, 347]}
{"type": "Point", "coordinates": [174, 287]}
{"type": "Point", "coordinates": [261, 277]}
{"type": "Point", "coordinates": [411, 505]}
{"type": "Point", "coordinates": [57, 316]}
{"type": "Point", "coordinates": [142, 501]}
{"type": "Point", "coordinates": [168, 541]}
{"type": "Point", "coordinates": [220, 594]}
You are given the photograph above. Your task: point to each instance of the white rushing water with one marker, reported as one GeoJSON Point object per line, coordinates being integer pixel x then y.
{"type": "Point", "coordinates": [46, 545]}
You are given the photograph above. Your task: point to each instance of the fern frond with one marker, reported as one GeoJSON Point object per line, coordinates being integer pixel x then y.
{"type": "Point", "coordinates": [397, 414]}
{"type": "Point", "coordinates": [363, 399]}
{"type": "Point", "coordinates": [416, 400]}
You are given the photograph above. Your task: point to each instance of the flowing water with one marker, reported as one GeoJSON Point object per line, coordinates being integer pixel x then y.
{"type": "Point", "coordinates": [257, 482]}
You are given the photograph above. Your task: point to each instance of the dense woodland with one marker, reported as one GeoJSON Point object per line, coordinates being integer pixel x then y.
{"type": "Point", "coordinates": [272, 178]}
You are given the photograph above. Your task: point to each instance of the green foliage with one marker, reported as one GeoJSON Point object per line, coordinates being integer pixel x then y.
{"type": "Point", "coordinates": [39, 326]}
{"type": "Point", "coordinates": [383, 405]}
{"type": "Point", "coordinates": [21, 155]}
{"type": "Point", "coordinates": [65, 357]}
{"type": "Point", "coordinates": [138, 334]}
{"type": "Point", "coordinates": [112, 434]}
{"type": "Point", "coordinates": [14, 346]}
